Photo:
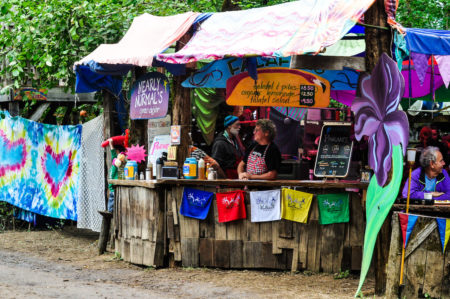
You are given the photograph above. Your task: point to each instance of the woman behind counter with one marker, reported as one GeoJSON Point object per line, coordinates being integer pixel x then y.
{"type": "Point", "coordinates": [227, 149]}
{"type": "Point", "coordinates": [263, 159]}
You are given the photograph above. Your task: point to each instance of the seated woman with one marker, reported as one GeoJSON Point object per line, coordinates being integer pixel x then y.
{"type": "Point", "coordinates": [430, 177]}
{"type": "Point", "coordinates": [263, 159]}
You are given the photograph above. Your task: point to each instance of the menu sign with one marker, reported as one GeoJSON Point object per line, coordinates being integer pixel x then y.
{"type": "Point", "coordinates": [150, 96]}
{"type": "Point", "coordinates": [335, 150]}
{"type": "Point", "coordinates": [307, 94]}
{"type": "Point", "coordinates": [278, 87]}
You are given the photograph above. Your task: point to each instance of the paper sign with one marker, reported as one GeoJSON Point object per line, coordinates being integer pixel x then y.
{"type": "Point", "coordinates": [150, 96]}
{"type": "Point", "coordinates": [278, 87]}
{"type": "Point", "coordinates": [160, 144]}
{"type": "Point", "coordinates": [175, 135]}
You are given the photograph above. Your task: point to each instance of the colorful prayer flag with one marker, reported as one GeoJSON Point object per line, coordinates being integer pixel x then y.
{"type": "Point", "coordinates": [295, 205]}
{"type": "Point", "coordinates": [333, 208]}
{"type": "Point", "coordinates": [444, 231]}
{"type": "Point", "coordinates": [407, 223]}
{"type": "Point", "coordinates": [265, 205]}
{"type": "Point", "coordinates": [231, 206]}
{"type": "Point", "coordinates": [195, 203]}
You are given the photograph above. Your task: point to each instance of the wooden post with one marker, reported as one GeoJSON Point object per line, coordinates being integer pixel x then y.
{"type": "Point", "coordinates": [139, 127]}
{"type": "Point", "coordinates": [13, 106]}
{"type": "Point", "coordinates": [104, 233]}
{"type": "Point", "coordinates": [181, 111]}
{"type": "Point", "coordinates": [377, 42]}
{"type": "Point", "coordinates": [108, 131]}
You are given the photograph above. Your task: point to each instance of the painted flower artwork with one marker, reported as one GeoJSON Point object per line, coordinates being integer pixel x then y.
{"type": "Point", "coordinates": [377, 117]}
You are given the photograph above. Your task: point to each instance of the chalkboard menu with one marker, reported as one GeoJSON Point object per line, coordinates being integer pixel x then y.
{"type": "Point", "coordinates": [335, 151]}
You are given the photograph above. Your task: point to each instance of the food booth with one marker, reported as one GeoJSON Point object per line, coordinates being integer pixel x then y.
{"type": "Point", "coordinates": [151, 226]}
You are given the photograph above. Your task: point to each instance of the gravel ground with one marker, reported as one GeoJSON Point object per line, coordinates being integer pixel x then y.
{"type": "Point", "coordinates": [64, 264]}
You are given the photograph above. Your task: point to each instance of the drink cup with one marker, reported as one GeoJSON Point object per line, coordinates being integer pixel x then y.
{"type": "Point", "coordinates": [428, 196]}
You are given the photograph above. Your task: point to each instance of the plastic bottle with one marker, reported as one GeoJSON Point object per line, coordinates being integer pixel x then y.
{"type": "Point", "coordinates": [130, 170]}
{"type": "Point", "coordinates": [190, 168]}
{"type": "Point", "coordinates": [141, 176]}
{"type": "Point", "coordinates": [201, 169]}
{"type": "Point", "coordinates": [208, 166]}
{"type": "Point", "coordinates": [149, 171]}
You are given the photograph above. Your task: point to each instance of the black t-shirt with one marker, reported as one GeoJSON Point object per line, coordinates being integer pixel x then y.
{"type": "Point", "coordinates": [272, 158]}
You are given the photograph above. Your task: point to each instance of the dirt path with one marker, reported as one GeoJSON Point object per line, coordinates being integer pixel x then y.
{"type": "Point", "coordinates": [65, 264]}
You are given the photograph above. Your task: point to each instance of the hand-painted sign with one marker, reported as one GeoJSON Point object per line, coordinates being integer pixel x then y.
{"type": "Point", "coordinates": [30, 93]}
{"type": "Point", "coordinates": [278, 87]}
{"type": "Point", "coordinates": [150, 96]}
{"type": "Point", "coordinates": [215, 74]}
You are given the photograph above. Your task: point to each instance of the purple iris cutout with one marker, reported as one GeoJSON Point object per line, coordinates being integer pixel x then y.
{"type": "Point", "coordinates": [377, 117]}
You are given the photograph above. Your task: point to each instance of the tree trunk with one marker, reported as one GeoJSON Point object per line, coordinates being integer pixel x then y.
{"type": "Point", "coordinates": [181, 109]}
{"type": "Point", "coordinates": [138, 127]}
{"type": "Point", "coordinates": [377, 40]}
{"type": "Point", "coordinates": [229, 5]}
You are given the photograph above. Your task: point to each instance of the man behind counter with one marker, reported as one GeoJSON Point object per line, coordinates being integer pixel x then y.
{"type": "Point", "coordinates": [263, 159]}
{"type": "Point", "coordinates": [430, 177]}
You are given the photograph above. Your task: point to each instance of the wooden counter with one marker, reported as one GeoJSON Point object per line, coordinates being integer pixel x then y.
{"type": "Point", "coordinates": [318, 184]}
{"type": "Point", "coordinates": [149, 230]}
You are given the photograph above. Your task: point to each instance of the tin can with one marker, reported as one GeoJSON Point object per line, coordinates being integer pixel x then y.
{"type": "Point", "coordinates": [130, 170]}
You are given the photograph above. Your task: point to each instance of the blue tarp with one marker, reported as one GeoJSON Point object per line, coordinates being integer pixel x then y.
{"type": "Point", "coordinates": [428, 41]}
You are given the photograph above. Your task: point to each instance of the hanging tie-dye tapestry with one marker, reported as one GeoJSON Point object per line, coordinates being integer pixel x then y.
{"type": "Point", "coordinates": [39, 166]}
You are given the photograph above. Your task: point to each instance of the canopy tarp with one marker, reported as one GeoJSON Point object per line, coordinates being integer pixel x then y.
{"type": "Point", "coordinates": [281, 30]}
{"type": "Point", "coordinates": [148, 35]}
{"type": "Point", "coordinates": [422, 43]}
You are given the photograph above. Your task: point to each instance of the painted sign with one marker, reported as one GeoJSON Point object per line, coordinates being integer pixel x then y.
{"type": "Point", "coordinates": [160, 126]}
{"type": "Point", "coordinates": [175, 135]}
{"type": "Point", "coordinates": [278, 87]}
{"type": "Point", "coordinates": [160, 145]}
{"type": "Point", "coordinates": [30, 93]}
{"type": "Point", "coordinates": [150, 96]}
{"type": "Point", "coordinates": [215, 74]}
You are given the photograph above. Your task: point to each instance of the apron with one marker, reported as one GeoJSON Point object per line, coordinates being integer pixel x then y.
{"type": "Point", "coordinates": [257, 164]}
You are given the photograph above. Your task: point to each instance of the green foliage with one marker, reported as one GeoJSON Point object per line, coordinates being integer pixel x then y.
{"type": "Point", "coordinates": [41, 40]}
{"type": "Point", "coordinates": [6, 216]}
{"type": "Point", "coordinates": [342, 274]}
{"type": "Point", "coordinates": [424, 14]}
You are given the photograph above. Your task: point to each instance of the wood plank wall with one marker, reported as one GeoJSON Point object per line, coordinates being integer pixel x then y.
{"type": "Point", "coordinates": [269, 245]}
{"type": "Point", "coordinates": [426, 268]}
{"type": "Point", "coordinates": [139, 225]}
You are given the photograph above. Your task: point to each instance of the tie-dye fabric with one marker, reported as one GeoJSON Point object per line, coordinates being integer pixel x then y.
{"type": "Point", "coordinates": [39, 166]}
{"type": "Point", "coordinates": [291, 28]}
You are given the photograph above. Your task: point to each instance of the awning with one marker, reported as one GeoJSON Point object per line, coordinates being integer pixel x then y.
{"type": "Point", "coordinates": [148, 35]}
{"type": "Point", "coordinates": [281, 30]}
{"type": "Point", "coordinates": [422, 43]}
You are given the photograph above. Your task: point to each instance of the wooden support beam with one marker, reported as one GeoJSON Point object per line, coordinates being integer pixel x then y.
{"type": "Point", "coordinates": [39, 111]}
{"type": "Point", "coordinates": [327, 62]}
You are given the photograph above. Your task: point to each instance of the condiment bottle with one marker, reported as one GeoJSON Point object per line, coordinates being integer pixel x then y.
{"type": "Point", "coordinates": [211, 174]}
{"type": "Point", "coordinates": [149, 171]}
{"type": "Point", "coordinates": [201, 169]}
{"type": "Point", "coordinates": [207, 170]}
{"type": "Point", "coordinates": [158, 168]}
